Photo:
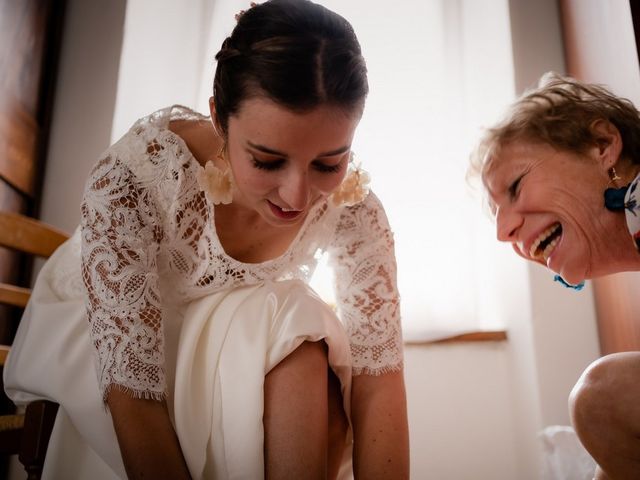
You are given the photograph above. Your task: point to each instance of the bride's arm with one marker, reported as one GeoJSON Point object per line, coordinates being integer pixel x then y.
{"type": "Point", "coordinates": [121, 232]}
{"type": "Point", "coordinates": [148, 442]}
{"type": "Point", "coordinates": [381, 433]}
{"type": "Point", "coordinates": [362, 254]}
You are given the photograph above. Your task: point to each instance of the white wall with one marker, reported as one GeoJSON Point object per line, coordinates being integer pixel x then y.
{"type": "Point", "coordinates": [84, 105]}
{"type": "Point", "coordinates": [163, 58]}
{"type": "Point", "coordinates": [601, 45]}
{"type": "Point", "coordinates": [461, 412]}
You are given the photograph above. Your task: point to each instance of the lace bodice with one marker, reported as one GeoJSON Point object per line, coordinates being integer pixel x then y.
{"type": "Point", "coordinates": [149, 240]}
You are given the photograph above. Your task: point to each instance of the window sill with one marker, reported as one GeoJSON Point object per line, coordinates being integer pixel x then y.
{"type": "Point", "coordinates": [479, 336]}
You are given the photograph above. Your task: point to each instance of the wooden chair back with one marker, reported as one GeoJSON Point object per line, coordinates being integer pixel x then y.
{"type": "Point", "coordinates": [26, 434]}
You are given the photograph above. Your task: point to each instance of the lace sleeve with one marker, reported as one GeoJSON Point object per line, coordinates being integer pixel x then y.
{"type": "Point", "coordinates": [120, 241]}
{"type": "Point", "coordinates": [363, 259]}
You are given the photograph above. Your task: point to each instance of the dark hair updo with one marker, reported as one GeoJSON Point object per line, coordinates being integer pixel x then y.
{"type": "Point", "coordinates": [294, 52]}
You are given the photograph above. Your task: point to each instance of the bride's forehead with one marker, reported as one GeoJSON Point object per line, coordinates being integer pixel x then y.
{"type": "Point", "coordinates": [264, 121]}
{"type": "Point", "coordinates": [263, 106]}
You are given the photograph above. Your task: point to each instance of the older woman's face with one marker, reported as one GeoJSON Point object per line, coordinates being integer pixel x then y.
{"type": "Point", "coordinates": [549, 205]}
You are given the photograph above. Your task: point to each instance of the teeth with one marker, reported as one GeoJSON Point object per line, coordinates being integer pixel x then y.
{"type": "Point", "coordinates": [541, 238]}
{"type": "Point", "coordinates": [289, 209]}
{"type": "Point", "coordinates": [549, 248]}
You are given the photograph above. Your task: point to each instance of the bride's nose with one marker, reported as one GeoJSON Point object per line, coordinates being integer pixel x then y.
{"type": "Point", "coordinates": [295, 190]}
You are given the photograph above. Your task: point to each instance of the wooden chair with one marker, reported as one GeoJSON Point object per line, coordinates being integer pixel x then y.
{"type": "Point", "coordinates": [26, 435]}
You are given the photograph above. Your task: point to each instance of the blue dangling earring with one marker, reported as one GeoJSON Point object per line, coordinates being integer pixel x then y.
{"type": "Point", "coordinates": [562, 281]}
{"type": "Point", "coordinates": [614, 197]}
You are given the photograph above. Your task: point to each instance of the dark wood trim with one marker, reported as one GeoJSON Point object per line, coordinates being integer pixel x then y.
{"type": "Point", "coordinates": [479, 336]}
{"type": "Point", "coordinates": [48, 82]}
{"type": "Point", "coordinates": [635, 18]}
{"type": "Point", "coordinates": [19, 137]}
{"type": "Point", "coordinates": [39, 419]}
{"type": "Point", "coordinates": [26, 113]}
{"type": "Point", "coordinates": [28, 235]}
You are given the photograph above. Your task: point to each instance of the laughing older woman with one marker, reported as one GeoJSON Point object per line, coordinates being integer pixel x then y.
{"type": "Point", "coordinates": [562, 174]}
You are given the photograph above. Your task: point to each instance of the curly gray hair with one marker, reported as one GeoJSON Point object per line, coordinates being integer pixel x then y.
{"type": "Point", "coordinates": [560, 112]}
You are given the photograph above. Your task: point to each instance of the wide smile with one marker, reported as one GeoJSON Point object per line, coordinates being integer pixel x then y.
{"type": "Point", "coordinates": [545, 243]}
{"type": "Point", "coordinates": [283, 212]}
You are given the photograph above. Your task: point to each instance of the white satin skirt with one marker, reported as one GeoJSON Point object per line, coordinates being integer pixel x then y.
{"type": "Point", "coordinates": [218, 350]}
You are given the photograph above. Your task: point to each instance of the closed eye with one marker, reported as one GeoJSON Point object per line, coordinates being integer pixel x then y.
{"type": "Point", "coordinates": [324, 168]}
{"type": "Point", "coordinates": [270, 166]}
{"type": "Point", "coordinates": [277, 164]}
{"type": "Point", "coordinates": [514, 187]}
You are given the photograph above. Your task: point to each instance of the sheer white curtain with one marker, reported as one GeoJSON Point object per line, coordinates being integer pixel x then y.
{"type": "Point", "coordinates": [438, 70]}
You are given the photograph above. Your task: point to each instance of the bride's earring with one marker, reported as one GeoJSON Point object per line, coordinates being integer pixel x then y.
{"type": "Point", "coordinates": [354, 188]}
{"type": "Point", "coordinates": [217, 184]}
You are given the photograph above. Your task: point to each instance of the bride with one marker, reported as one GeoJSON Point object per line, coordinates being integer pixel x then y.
{"type": "Point", "coordinates": [176, 328]}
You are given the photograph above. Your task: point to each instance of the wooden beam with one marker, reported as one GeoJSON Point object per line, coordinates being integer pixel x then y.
{"type": "Point", "coordinates": [12, 295]}
{"type": "Point", "coordinates": [4, 352]}
{"type": "Point", "coordinates": [18, 145]}
{"type": "Point", "coordinates": [29, 235]}
{"type": "Point", "coordinates": [479, 336]}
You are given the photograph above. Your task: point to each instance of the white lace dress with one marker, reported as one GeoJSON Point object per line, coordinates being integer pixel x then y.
{"type": "Point", "coordinates": [143, 297]}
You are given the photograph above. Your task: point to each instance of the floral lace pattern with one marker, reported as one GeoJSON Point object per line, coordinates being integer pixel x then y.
{"type": "Point", "coordinates": [148, 239]}
{"type": "Point", "coordinates": [367, 298]}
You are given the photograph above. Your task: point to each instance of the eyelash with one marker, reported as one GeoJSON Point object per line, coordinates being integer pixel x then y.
{"type": "Point", "coordinates": [269, 166]}
{"type": "Point", "coordinates": [275, 165]}
{"type": "Point", "coordinates": [513, 189]}
{"type": "Point", "coordinates": [321, 167]}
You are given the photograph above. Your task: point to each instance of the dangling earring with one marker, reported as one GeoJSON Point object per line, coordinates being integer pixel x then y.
{"type": "Point", "coordinates": [216, 183]}
{"type": "Point", "coordinates": [613, 175]}
{"type": "Point", "coordinates": [614, 197]}
{"type": "Point", "coordinates": [354, 188]}
{"type": "Point", "coordinates": [562, 281]}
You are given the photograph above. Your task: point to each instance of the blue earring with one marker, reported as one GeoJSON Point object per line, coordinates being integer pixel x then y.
{"type": "Point", "coordinates": [562, 281]}
{"type": "Point", "coordinates": [614, 198]}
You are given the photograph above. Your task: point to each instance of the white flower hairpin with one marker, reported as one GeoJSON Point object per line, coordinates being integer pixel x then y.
{"type": "Point", "coordinates": [354, 188]}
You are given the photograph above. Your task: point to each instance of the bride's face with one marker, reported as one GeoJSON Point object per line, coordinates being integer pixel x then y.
{"type": "Point", "coordinates": [284, 161]}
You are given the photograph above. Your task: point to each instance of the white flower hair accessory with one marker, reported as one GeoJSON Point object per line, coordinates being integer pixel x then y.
{"type": "Point", "coordinates": [216, 184]}
{"type": "Point", "coordinates": [354, 188]}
